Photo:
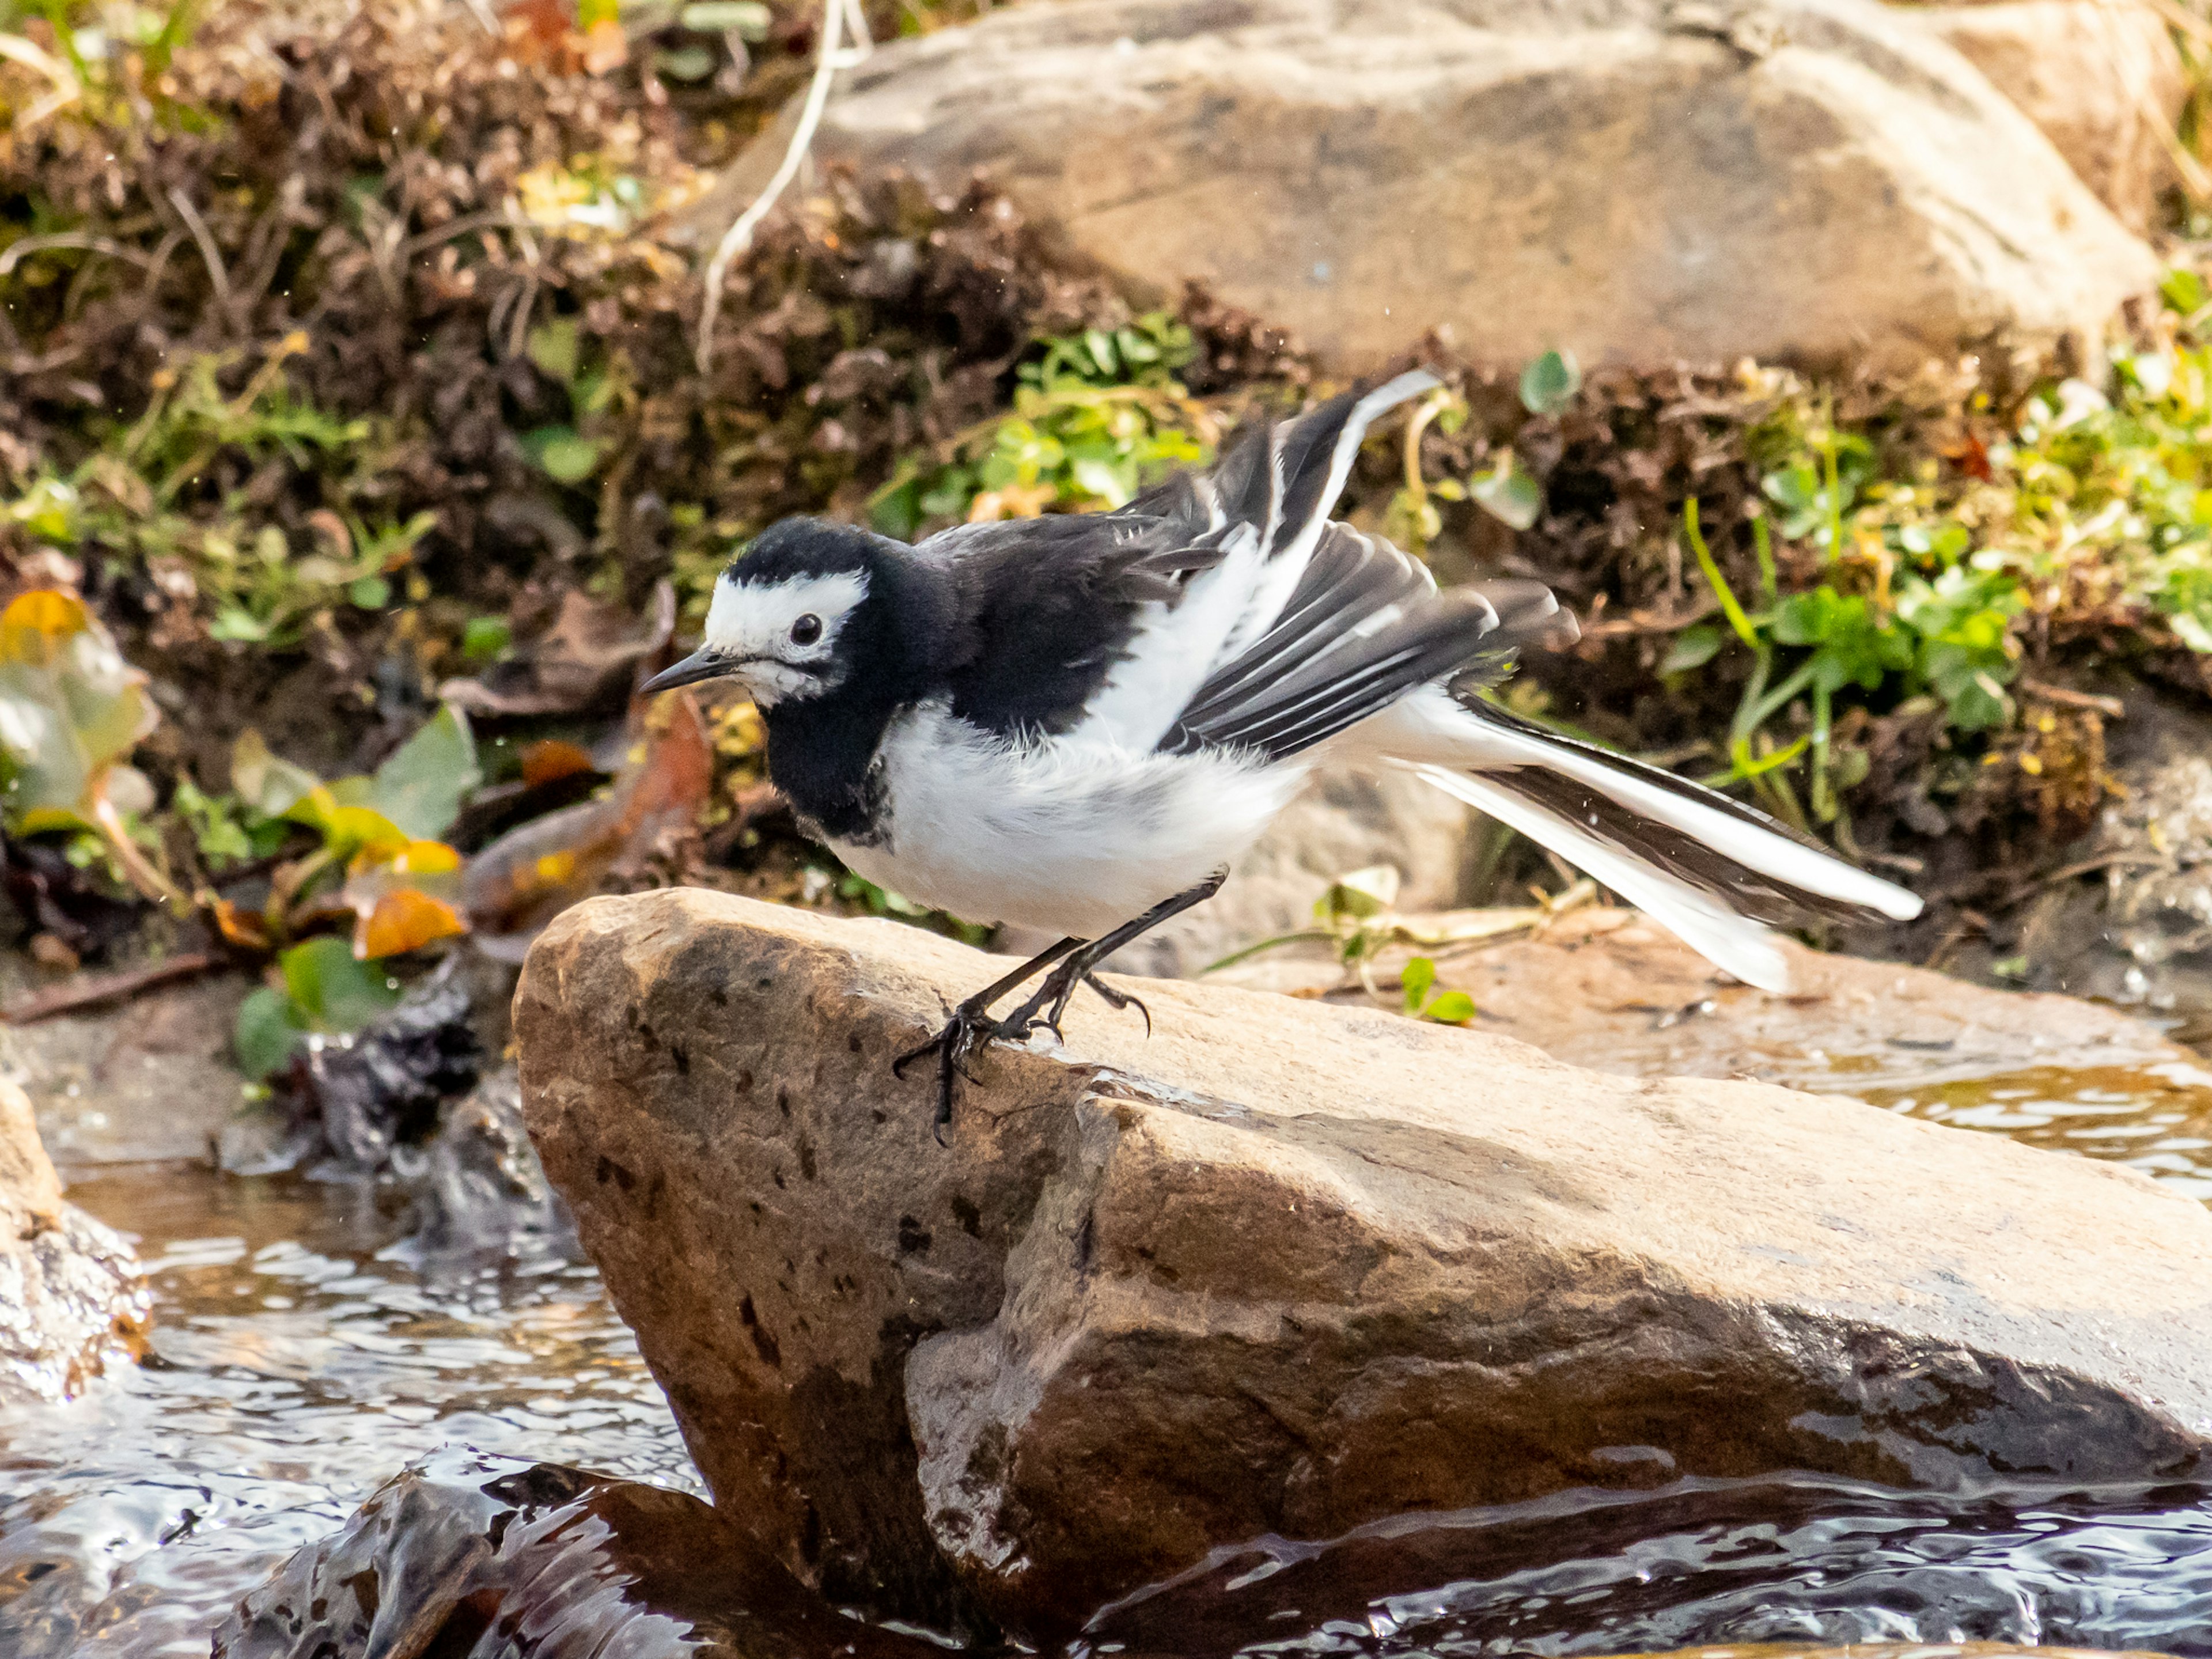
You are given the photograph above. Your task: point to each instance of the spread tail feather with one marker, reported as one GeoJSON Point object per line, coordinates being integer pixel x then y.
{"type": "Point", "coordinates": [1710, 869]}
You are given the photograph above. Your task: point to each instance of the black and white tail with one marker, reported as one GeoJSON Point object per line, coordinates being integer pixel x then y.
{"type": "Point", "coordinates": [1711, 870]}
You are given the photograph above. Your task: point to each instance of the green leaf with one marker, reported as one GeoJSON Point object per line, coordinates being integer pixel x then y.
{"type": "Point", "coordinates": [748, 18]}
{"type": "Point", "coordinates": [1549, 384]}
{"type": "Point", "coordinates": [1420, 973]}
{"type": "Point", "coordinates": [421, 786]}
{"type": "Point", "coordinates": [369, 592]}
{"type": "Point", "coordinates": [270, 785]}
{"type": "Point", "coordinates": [1452, 1008]}
{"type": "Point", "coordinates": [265, 1034]}
{"type": "Point", "coordinates": [685, 63]}
{"type": "Point", "coordinates": [486, 639]}
{"type": "Point", "coordinates": [2183, 290]}
{"type": "Point", "coordinates": [1693, 647]}
{"type": "Point", "coordinates": [1509, 495]}
{"type": "Point", "coordinates": [1360, 893]}
{"type": "Point", "coordinates": [562, 454]}
{"type": "Point", "coordinates": [331, 990]}
{"type": "Point", "coordinates": [71, 707]}
{"type": "Point", "coordinates": [553, 348]}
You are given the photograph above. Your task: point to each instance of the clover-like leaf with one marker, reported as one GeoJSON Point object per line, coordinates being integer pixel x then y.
{"type": "Point", "coordinates": [1549, 384]}
{"type": "Point", "coordinates": [1508, 494]}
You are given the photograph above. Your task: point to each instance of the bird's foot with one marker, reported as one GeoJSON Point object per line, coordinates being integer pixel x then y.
{"type": "Point", "coordinates": [968, 1029]}
{"type": "Point", "coordinates": [1118, 1000]}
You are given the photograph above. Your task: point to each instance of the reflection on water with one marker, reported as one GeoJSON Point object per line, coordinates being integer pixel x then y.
{"type": "Point", "coordinates": [2156, 1118]}
{"type": "Point", "coordinates": [294, 1365]}
{"type": "Point", "coordinates": [1810, 1559]}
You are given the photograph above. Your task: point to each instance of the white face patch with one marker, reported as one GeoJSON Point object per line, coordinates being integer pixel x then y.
{"type": "Point", "coordinates": [752, 623]}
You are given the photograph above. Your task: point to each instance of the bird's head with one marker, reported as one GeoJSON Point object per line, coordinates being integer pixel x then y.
{"type": "Point", "coordinates": [786, 615]}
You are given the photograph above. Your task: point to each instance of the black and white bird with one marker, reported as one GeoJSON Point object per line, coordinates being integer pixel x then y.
{"type": "Point", "coordinates": [1077, 723]}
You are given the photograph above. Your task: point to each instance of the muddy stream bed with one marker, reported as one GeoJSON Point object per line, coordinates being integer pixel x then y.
{"type": "Point", "coordinates": [301, 1354]}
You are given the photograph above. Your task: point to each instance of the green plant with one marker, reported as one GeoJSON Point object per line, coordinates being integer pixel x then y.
{"type": "Point", "coordinates": [855, 889]}
{"type": "Point", "coordinates": [1095, 417]}
{"type": "Point", "coordinates": [2091, 505]}
{"type": "Point", "coordinates": [1950, 636]}
{"type": "Point", "coordinates": [71, 711]}
{"type": "Point", "coordinates": [141, 498]}
{"type": "Point", "coordinates": [378, 860]}
{"type": "Point", "coordinates": [321, 987]}
{"type": "Point", "coordinates": [1424, 1001]}
{"type": "Point", "coordinates": [1508, 491]}
{"type": "Point", "coordinates": [565, 453]}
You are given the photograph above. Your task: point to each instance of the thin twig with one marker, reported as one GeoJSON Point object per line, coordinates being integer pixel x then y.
{"type": "Point", "coordinates": [208, 253]}
{"type": "Point", "coordinates": [739, 236]}
{"type": "Point", "coordinates": [2111, 708]}
{"type": "Point", "coordinates": [67, 89]}
{"type": "Point", "coordinates": [89, 992]}
{"type": "Point", "coordinates": [20, 251]}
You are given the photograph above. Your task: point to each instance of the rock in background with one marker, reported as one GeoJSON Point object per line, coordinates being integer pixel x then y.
{"type": "Point", "coordinates": [1638, 180]}
{"type": "Point", "coordinates": [70, 1296]}
{"type": "Point", "coordinates": [1285, 1268]}
{"type": "Point", "coordinates": [2101, 78]}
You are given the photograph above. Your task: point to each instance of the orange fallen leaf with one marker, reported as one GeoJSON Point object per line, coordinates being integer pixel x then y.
{"type": "Point", "coordinates": [551, 760]}
{"type": "Point", "coordinates": [240, 927]}
{"type": "Point", "coordinates": [406, 919]}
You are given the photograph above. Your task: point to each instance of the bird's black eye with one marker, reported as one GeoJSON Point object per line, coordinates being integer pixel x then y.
{"type": "Point", "coordinates": [806, 629]}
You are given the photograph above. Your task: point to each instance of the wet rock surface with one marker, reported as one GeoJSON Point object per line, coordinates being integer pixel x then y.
{"type": "Point", "coordinates": [1530, 176]}
{"type": "Point", "coordinates": [1285, 1268]}
{"type": "Point", "coordinates": [144, 1081]}
{"type": "Point", "coordinates": [2135, 923]}
{"type": "Point", "coordinates": [1612, 991]}
{"type": "Point", "coordinates": [70, 1295]}
{"type": "Point", "coordinates": [470, 1554]}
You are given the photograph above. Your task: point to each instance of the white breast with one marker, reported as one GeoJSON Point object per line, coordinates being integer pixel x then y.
{"type": "Point", "coordinates": [1073, 834]}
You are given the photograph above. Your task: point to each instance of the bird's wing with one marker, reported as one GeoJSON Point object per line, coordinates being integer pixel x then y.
{"type": "Point", "coordinates": [1039, 611]}
{"type": "Point", "coordinates": [1363, 625]}
{"type": "Point", "coordinates": [1263, 511]}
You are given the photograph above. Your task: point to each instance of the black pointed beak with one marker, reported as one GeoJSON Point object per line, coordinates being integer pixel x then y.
{"type": "Point", "coordinates": [701, 665]}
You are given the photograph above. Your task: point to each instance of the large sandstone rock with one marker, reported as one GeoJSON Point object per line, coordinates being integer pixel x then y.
{"type": "Point", "coordinates": [2101, 78]}
{"type": "Point", "coordinates": [70, 1296]}
{"type": "Point", "coordinates": [1638, 180]}
{"type": "Point", "coordinates": [1285, 1268]}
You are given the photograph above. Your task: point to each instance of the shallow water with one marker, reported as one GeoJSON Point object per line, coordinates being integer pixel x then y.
{"type": "Point", "coordinates": [298, 1359]}
{"type": "Point", "coordinates": [294, 1363]}
{"type": "Point", "coordinates": [2157, 1119]}
{"type": "Point", "coordinates": [1808, 1558]}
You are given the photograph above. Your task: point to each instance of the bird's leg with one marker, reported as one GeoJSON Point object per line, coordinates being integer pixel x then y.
{"type": "Point", "coordinates": [971, 1025]}
{"type": "Point", "coordinates": [1059, 985]}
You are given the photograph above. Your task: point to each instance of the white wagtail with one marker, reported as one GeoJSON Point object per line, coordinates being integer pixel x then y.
{"type": "Point", "coordinates": [1077, 723]}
